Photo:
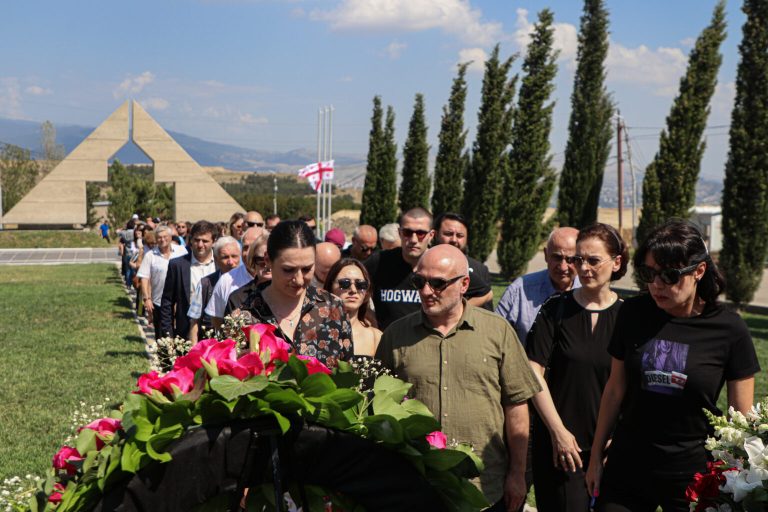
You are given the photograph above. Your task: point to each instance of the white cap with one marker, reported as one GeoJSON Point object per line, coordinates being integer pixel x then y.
{"type": "Point", "coordinates": [135, 216]}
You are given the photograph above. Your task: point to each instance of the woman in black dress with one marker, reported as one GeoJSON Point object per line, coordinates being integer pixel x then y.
{"type": "Point", "coordinates": [567, 349]}
{"type": "Point", "coordinates": [672, 351]}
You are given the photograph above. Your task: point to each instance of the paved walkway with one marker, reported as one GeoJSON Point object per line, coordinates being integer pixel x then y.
{"type": "Point", "coordinates": [58, 256]}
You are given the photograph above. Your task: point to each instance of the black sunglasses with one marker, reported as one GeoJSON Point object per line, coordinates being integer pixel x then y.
{"type": "Point", "coordinates": [408, 233]}
{"type": "Point", "coordinates": [437, 284]}
{"type": "Point", "coordinates": [257, 224]}
{"type": "Point", "coordinates": [668, 275]}
{"type": "Point", "coordinates": [360, 284]}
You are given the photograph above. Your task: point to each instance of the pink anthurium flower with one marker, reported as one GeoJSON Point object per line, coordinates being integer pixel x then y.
{"type": "Point", "coordinates": [437, 439]}
{"type": "Point", "coordinates": [105, 429]}
{"type": "Point", "coordinates": [208, 350]}
{"type": "Point", "coordinates": [64, 456]}
{"type": "Point", "coordinates": [314, 365]}
{"type": "Point", "coordinates": [172, 384]}
{"type": "Point", "coordinates": [56, 495]}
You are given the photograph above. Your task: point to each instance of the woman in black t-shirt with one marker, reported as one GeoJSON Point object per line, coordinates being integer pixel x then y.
{"type": "Point", "coordinates": [672, 351]}
{"type": "Point", "coordinates": [570, 340]}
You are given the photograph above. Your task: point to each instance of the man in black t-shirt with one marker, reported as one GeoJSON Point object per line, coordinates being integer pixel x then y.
{"type": "Point", "coordinates": [451, 228]}
{"type": "Point", "coordinates": [393, 294]}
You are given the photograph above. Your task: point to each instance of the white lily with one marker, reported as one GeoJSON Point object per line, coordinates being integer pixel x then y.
{"type": "Point", "coordinates": [739, 483]}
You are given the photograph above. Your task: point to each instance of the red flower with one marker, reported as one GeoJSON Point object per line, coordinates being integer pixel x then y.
{"type": "Point", "coordinates": [437, 439]}
{"type": "Point", "coordinates": [207, 350]}
{"type": "Point", "coordinates": [247, 366]}
{"type": "Point", "coordinates": [314, 366]}
{"type": "Point", "coordinates": [105, 428]}
{"type": "Point", "coordinates": [55, 497]}
{"type": "Point", "coordinates": [183, 380]}
{"type": "Point", "coordinates": [64, 456]}
{"type": "Point", "coordinates": [706, 486]}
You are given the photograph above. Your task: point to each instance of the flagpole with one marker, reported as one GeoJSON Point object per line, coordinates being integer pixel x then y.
{"type": "Point", "coordinates": [330, 157]}
{"type": "Point", "coordinates": [319, 198]}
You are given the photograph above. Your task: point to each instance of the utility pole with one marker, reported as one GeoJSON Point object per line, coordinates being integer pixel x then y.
{"type": "Point", "coordinates": [274, 196]}
{"type": "Point", "coordinates": [621, 174]}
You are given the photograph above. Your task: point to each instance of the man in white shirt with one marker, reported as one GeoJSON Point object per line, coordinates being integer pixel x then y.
{"type": "Point", "coordinates": [153, 270]}
{"type": "Point", "coordinates": [231, 281]}
{"type": "Point", "coordinates": [184, 274]}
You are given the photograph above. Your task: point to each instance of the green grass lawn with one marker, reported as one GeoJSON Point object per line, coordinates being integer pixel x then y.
{"type": "Point", "coordinates": [67, 336]}
{"type": "Point", "coordinates": [12, 239]}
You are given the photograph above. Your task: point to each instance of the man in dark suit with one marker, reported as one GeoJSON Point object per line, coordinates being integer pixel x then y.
{"type": "Point", "coordinates": [183, 276]}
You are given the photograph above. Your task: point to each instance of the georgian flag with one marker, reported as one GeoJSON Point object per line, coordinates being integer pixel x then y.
{"type": "Point", "coordinates": [315, 173]}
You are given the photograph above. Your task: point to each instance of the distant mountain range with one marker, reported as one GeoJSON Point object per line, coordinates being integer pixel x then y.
{"type": "Point", "coordinates": [27, 134]}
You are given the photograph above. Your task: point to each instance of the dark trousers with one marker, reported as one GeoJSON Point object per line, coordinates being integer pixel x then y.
{"type": "Point", "coordinates": [622, 492]}
{"type": "Point", "coordinates": [557, 490]}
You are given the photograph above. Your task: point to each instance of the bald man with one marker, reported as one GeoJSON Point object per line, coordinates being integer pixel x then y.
{"type": "Point", "coordinates": [467, 366]}
{"type": "Point", "coordinates": [364, 240]}
{"type": "Point", "coordinates": [523, 298]}
{"type": "Point", "coordinates": [253, 219]}
{"type": "Point", "coordinates": [326, 254]}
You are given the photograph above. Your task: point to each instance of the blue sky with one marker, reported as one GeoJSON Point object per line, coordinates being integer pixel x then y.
{"type": "Point", "coordinates": [253, 73]}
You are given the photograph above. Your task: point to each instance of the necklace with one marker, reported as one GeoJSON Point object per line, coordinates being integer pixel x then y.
{"type": "Point", "coordinates": [290, 317]}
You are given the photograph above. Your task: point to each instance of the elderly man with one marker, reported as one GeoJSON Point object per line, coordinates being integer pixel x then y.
{"type": "Point", "coordinates": [231, 281]}
{"type": "Point", "coordinates": [467, 366]}
{"type": "Point", "coordinates": [364, 239]}
{"type": "Point", "coordinates": [452, 229]}
{"type": "Point", "coordinates": [226, 254]}
{"type": "Point", "coordinates": [253, 219]}
{"type": "Point", "coordinates": [326, 254]}
{"type": "Point", "coordinates": [389, 237]}
{"type": "Point", "coordinates": [522, 299]}
{"type": "Point", "coordinates": [152, 273]}
{"type": "Point", "coordinates": [390, 271]}
{"type": "Point", "coordinates": [184, 274]}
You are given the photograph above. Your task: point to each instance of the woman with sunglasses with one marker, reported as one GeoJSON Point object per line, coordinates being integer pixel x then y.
{"type": "Point", "coordinates": [237, 225]}
{"type": "Point", "coordinates": [567, 349]}
{"type": "Point", "coordinates": [311, 320]}
{"type": "Point", "coordinates": [349, 280]}
{"type": "Point", "coordinates": [672, 351]}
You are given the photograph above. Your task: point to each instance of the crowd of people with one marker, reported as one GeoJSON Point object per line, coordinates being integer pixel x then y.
{"type": "Point", "coordinates": [596, 401]}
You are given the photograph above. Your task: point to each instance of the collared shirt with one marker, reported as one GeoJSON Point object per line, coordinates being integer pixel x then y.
{"type": "Point", "coordinates": [227, 284]}
{"type": "Point", "coordinates": [154, 267]}
{"type": "Point", "coordinates": [195, 310]}
{"type": "Point", "coordinates": [323, 330]}
{"type": "Point", "coordinates": [465, 378]}
{"type": "Point", "coordinates": [523, 298]}
{"type": "Point", "coordinates": [197, 271]}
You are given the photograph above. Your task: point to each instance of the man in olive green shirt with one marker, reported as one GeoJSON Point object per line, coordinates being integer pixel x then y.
{"type": "Point", "coordinates": [467, 365]}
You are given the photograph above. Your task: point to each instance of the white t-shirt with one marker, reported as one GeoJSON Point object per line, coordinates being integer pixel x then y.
{"type": "Point", "coordinates": [227, 284]}
{"type": "Point", "coordinates": [155, 267]}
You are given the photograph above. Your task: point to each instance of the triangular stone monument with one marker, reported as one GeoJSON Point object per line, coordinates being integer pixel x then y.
{"type": "Point", "coordinates": [59, 199]}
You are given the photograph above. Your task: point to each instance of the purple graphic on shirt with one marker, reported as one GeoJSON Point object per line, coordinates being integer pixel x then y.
{"type": "Point", "coordinates": [663, 367]}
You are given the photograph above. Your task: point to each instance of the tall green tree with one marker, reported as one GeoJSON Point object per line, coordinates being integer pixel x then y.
{"type": "Point", "coordinates": [18, 174]}
{"type": "Point", "coordinates": [745, 192]}
{"type": "Point", "coordinates": [132, 190]}
{"type": "Point", "coordinates": [414, 188]}
{"type": "Point", "coordinates": [589, 127]}
{"type": "Point", "coordinates": [388, 182]}
{"type": "Point", "coordinates": [52, 153]}
{"type": "Point", "coordinates": [450, 163]}
{"type": "Point", "coordinates": [673, 174]}
{"type": "Point", "coordinates": [487, 164]}
{"type": "Point", "coordinates": [370, 211]}
{"type": "Point", "coordinates": [530, 179]}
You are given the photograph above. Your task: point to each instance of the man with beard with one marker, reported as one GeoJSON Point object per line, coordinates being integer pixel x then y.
{"type": "Point", "coordinates": [451, 229]}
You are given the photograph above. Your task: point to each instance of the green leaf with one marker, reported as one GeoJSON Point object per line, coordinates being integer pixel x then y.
{"type": "Point", "coordinates": [346, 398]}
{"type": "Point", "coordinates": [159, 441]}
{"type": "Point", "coordinates": [384, 428]}
{"type": "Point", "coordinates": [282, 421]}
{"type": "Point", "coordinates": [416, 407]}
{"type": "Point", "coordinates": [143, 428]}
{"type": "Point", "coordinates": [287, 401]}
{"type": "Point", "coordinates": [298, 369]}
{"type": "Point", "coordinates": [176, 413]}
{"type": "Point", "coordinates": [345, 379]}
{"type": "Point", "coordinates": [133, 457]}
{"type": "Point", "coordinates": [230, 388]}
{"type": "Point", "coordinates": [317, 385]}
{"type": "Point", "coordinates": [443, 459]}
{"type": "Point", "coordinates": [329, 414]}
{"type": "Point", "coordinates": [86, 441]}
{"type": "Point", "coordinates": [391, 386]}
{"type": "Point", "coordinates": [384, 404]}
{"type": "Point", "coordinates": [472, 456]}
{"type": "Point", "coordinates": [417, 426]}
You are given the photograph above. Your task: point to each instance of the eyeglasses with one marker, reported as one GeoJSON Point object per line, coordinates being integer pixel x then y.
{"type": "Point", "coordinates": [437, 284]}
{"type": "Point", "coordinates": [361, 285]}
{"type": "Point", "coordinates": [258, 260]}
{"type": "Point", "coordinates": [408, 233]}
{"type": "Point", "coordinates": [592, 262]}
{"type": "Point", "coordinates": [257, 224]}
{"type": "Point", "coordinates": [365, 248]}
{"type": "Point", "coordinates": [668, 276]}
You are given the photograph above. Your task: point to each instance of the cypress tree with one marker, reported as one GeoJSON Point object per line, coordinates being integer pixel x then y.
{"type": "Point", "coordinates": [675, 168]}
{"type": "Point", "coordinates": [370, 212]}
{"type": "Point", "coordinates": [414, 189]}
{"type": "Point", "coordinates": [530, 178]}
{"type": "Point", "coordinates": [589, 127]}
{"type": "Point", "coordinates": [450, 163]}
{"type": "Point", "coordinates": [387, 190]}
{"type": "Point", "coordinates": [745, 192]}
{"type": "Point", "coordinates": [488, 162]}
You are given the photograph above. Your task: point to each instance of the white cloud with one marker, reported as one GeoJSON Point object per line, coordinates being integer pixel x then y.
{"type": "Point", "coordinates": [36, 90]}
{"type": "Point", "coordinates": [477, 57]}
{"type": "Point", "coordinates": [722, 100]}
{"type": "Point", "coordinates": [133, 84]}
{"type": "Point", "coordinates": [688, 42]}
{"type": "Point", "coordinates": [250, 119]}
{"type": "Point", "coordinates": [565, 39]}
{"type": "Point", "coordinates": [660, 68]}
{"type": "Point", "coordinates": [10, 98]}
{"type": "Point", "coordinates": [155, 103]}
{"type": "Point", "coordinates": [345, 79]}
{"type": "Point", "coordinates": [394, 50]}
{"type": "Point", "coordinates": [455, 17]}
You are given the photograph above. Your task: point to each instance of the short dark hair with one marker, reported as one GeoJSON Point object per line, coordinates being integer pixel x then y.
{"type": "Point", "coordinates": [449, 216]}
{"type": "Point", "coordinates": [614, 244]}
{"type": "Point", "coordinates": [202, 227]}
{"type": "Point", "coordinates": [334, 272]}
{"type": "Point", "coordinates": [676, 244]}
{"type": "Point", "coordinates": [306, 218]}
{"type": "Point", "coordinates": [289, 234]}
{"type": "Point", "coordinates": [271, 217]}
{"type": "Point", "coordinates": [417, 212]}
